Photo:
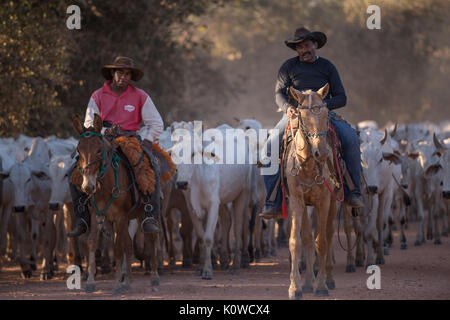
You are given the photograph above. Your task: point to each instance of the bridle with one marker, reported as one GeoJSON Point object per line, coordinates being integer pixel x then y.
{"type": "Point", "coordinates": [88, 134]}
{"type": "Point", "coordinates": [113, 160]}
{"type": "Point", "coordinates": [307, 136]}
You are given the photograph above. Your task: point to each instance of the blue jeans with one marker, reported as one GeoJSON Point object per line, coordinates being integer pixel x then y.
{"type": "Point", "coordinates": [351, 155]}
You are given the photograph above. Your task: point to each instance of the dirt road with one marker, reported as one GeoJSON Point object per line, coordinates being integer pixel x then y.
{"type": "Point", "coordinates": [416, 273]}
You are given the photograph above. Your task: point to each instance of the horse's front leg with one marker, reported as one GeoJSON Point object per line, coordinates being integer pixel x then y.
{"type": "Point", "coordinates": [92, 246]}
{"type": "Point", "coordinates": [322, 244]}
{"type": "Point", "coordinates": [122, 255]}
{"type": "Point", "coordinates": [297, 210]}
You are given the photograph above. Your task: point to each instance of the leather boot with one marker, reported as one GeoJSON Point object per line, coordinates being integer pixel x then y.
{"type": "Point", "coordinates": [80, 208]}
{"type": "Point", "coordinates": [151, 222]}
{"type": "Point", "coordinates": [152, 203]}
{"type": "Point", "coordinates": [83, 217]}
{"type": "Point", "coordinates": [271, 213]}
{"type": "Point", "coordinates": [355, 201]}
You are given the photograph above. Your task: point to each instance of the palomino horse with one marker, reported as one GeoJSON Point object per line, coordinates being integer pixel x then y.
{"type": "Point", "coordinates": [307, 172]}
{"type": "Point", "coordinates": [106, 181]}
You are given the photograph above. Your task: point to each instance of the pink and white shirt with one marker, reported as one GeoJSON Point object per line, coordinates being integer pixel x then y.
{"type": "Point", "coordinates": [128, 110]}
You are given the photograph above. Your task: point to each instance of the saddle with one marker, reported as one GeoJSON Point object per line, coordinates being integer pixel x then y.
{"type": "Point", "coordinates": [142, 171]}
{"type": "Point", "coordinates": [333, 143]}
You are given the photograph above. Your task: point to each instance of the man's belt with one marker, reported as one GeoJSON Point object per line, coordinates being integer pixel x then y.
{"type": "Point", "coordinates": [116, 130]}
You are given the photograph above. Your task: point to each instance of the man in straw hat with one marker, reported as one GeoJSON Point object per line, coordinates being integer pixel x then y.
{"type": "Point", "coordinates": [309, 71]}
{"type": "Point", "coordinates": [120, 103]}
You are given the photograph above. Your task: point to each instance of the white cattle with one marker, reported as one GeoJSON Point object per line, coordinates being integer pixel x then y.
{"type": "Point", "coordinates": [377, 157]}
{"type": "Point", "coordinates": [31, 185]}
{"type": "Point", "coordinates": [260, 239]}
{"type": "Point", "coordinates": [426, 189]}
{"type": "Point", "coordinates": [209, 185]}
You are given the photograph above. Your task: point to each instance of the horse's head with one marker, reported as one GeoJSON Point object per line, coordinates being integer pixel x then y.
{"type": "Point", "coordinates": [92, 152]}
{"type": "Point", "coordinates": [313, 120]}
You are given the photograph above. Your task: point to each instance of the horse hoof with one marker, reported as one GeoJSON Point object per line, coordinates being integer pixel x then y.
{"type": "Point", "coordinates": [160, 271]}
{"type": "Point", "coordinates": [359, 263]}
{"type": "Point", "coordinates": [155, 282]}
{"type": "Point", "coordinates": [417, 243]}
{"type": "Point", "coordinates": [307, 289]}
{"type": "Point", "coordinates": [437, 241]}
{"type": "Point", "coordinates": [295, 295]}
{"type": "Point", "coordinates": [350, 269]}
{"type": "Point", "coordinates": [235, 271]}
{"type": "Point", "coordinates": [257, 255]}
{"type": "Point", "coordinates": [46, 276]}
{"type": "Point", "coordinates": [331, 285]}
{"type": "Point", "coordinates": [26, 274]}
{"type": "Point", "coordinates": [321, 293]}
{"type": "Point", "coordinates": [386, 251]}
{"type": "Point", "coordinates": [105, 269]}
{"type": "Point", "coordinates": [207, 275]}
{"type": "Point", "coordinates": [90, 288]}
{"type": "Point", "coordinates": [315, 273]}
{"type": "Point", "coordinates": [403, 246]}
{"type": "Point", "coordinates": [187, 264]}
{"type": "Point", "coordinates": [33, 267]}
{"type": "Point", "coordinates": [224, 266]}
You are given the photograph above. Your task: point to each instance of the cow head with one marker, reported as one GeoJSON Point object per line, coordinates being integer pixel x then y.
{"type": "Point", "coordinates": [444, 152]}
{"type": "Point", "coordinates": [59, 176]}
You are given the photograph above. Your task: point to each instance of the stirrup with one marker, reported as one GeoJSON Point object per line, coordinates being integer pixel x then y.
{"type": "Point", "coordinates": [149, 220]}
{"type": "Point", "coordinates": [81, 227]}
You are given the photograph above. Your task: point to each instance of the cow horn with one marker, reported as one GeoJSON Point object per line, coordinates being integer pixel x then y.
{"type": "Point", "coordinates": [385, 137]}
{"type": "Point", "coordinates": [394, 131]}
{"type": "Point", "coordinates": [437, 143]}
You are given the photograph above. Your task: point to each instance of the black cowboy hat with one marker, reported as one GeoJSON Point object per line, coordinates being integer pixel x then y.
{"type": "Point", "coordinates": [304, 34]}
{"type": "Point", "coordinates": [122, 63]}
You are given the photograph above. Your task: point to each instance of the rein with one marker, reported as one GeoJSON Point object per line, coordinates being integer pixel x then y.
{"type": "Point", "coordinates": [307, 135]}
{"type": "Point", "coordinates": [114, 162]}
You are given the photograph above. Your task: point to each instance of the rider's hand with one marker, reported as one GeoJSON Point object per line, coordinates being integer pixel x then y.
{"type": "Point", "coordinates": [290, 112]}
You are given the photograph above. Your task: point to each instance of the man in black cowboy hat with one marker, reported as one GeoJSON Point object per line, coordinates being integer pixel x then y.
{"type": "Point", "coordinates": [309, 71]}
{"type": "Point", "coordinates": [120, 103]}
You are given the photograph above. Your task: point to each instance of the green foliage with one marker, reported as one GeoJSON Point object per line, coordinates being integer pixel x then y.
{"type": "Point", "coordinates": [196, 54]}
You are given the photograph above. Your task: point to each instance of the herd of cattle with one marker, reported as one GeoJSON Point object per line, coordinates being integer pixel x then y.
{"type": "Point", "coordinates": [406, 177]}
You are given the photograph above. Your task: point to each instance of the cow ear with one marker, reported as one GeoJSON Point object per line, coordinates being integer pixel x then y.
{"type": "Point", "coordinates": [296, 94]}
{"type": "Point", "coordinates": [78, 125]}
{"type": "Point", "coordinates": [98, 123]}
{"type": "Point", "coordinates": [391, 157]}
{"type": "Point", "coordinates": [322, 92]}
{"type": "Point", "coordinates": [433, 169]}
{"type": "Point", "coordinates": [413, 155]}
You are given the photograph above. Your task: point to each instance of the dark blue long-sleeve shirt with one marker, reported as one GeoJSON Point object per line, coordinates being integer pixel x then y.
{"type": "Point", "coordinates": [303, 76]}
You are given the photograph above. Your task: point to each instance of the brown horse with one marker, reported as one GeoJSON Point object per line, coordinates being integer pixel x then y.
{"type": "Point", "coordinates": [307, 172]}
{"type": "Point", "coordinates": [106, 182]}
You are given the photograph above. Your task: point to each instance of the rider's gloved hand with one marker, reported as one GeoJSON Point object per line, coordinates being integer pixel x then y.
{"type": "Point", "coordinates": [290, 112]}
